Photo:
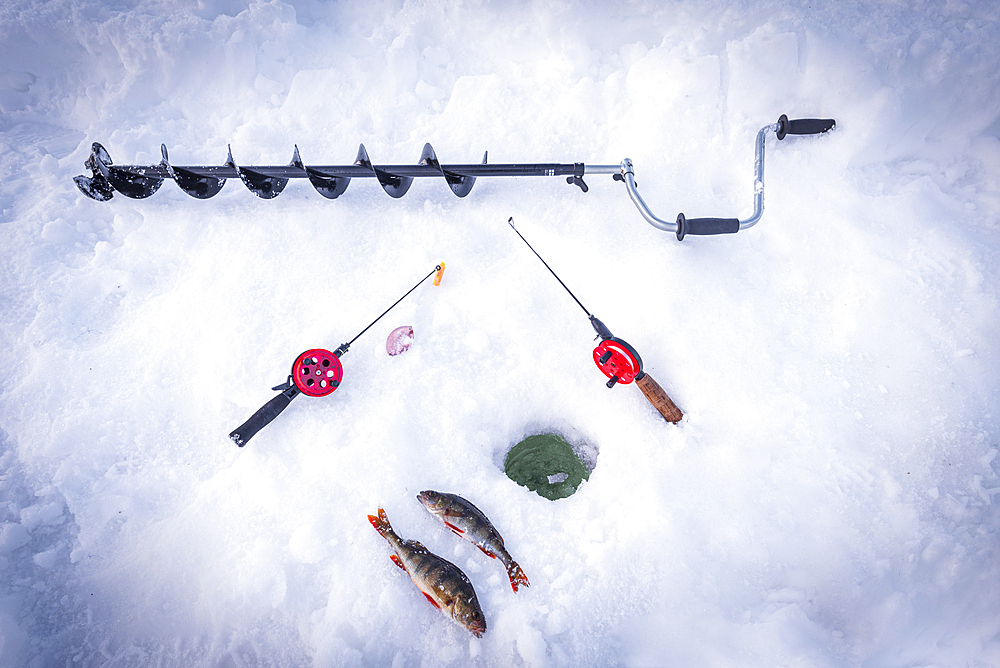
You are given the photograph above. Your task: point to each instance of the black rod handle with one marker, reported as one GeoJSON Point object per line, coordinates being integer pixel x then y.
{"type": "Point", "coordinates": [706, 226]}
{"type": "Point", "coordinates": [803, 126]}
{"type": "Point", "coordinates": [262, 417]}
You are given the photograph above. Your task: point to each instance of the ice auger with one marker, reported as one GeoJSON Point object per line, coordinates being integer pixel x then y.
{"type": "Point", "coordinates": [331, 181]}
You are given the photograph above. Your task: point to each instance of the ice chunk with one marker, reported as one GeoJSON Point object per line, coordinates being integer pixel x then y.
{"type": "Point", "coordinates": [46, 559]}
{"type": "Point", "coordinates": [12, 536]}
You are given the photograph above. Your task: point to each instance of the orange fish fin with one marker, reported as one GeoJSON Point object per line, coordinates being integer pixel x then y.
{"type": "Point", "coordinates": [433, 602]}
{"type": "Point", "coordinates": [381, 523]}
{"type": "Point", "coordinates": [517, 576]}
{"type": "Point", "coordinates": [487, 552]}
{"type": "Point", "coordinates": [453, 527]}
{"type": "Point", "coordinates": [396, 560]}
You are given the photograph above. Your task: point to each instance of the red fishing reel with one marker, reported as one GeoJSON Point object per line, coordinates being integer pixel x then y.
{"type": "Point", "coordinates": [618, 361]}
{"type": "Point", "coordinates": [317, 372]}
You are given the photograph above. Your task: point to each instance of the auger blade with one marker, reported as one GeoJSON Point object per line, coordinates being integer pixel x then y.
{"type": "Point", "coordinates": [133, 185]}
{"type": "Point", "coordinates": [195, 185]}
{"type": "Point", "coordinates": [265, 187]}
{"type": "Point", "coordinates": [460, 185]}
{"type": "Point", "coordinates": [395, 186]}
{"type": "Point", "coordinates": [95, 186]}
{"type": "Point", "coordinates": [126, 182]}
{"type": "Point", "coordinates": [330, 187]}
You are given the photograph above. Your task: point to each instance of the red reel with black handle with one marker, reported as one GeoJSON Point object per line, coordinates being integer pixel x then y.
{"type": "Point", "coordinates": [317, 372]}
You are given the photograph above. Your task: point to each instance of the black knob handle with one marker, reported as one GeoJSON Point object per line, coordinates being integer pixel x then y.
{"type": "Point", "coordinates": [704, 226]}
{"type": "Point", "coordinates": [803, 126]}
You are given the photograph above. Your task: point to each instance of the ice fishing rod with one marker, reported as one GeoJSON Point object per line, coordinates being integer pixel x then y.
{"type": "Point", "coordinates": [616, 359]}
{"type": "Point", "coordinates": [315, 373]}
{"type": "Point", "coordinates": [330, 181]}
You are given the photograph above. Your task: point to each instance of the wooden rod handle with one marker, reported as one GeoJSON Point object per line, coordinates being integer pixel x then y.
{"type": "Point", "coordinates": [656, 396]}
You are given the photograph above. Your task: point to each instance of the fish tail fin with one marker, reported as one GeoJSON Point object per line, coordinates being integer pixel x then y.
{"type": "Point", "coordinates": [517, 576]}
{"type": "Point", "coordinates": [381, 522]}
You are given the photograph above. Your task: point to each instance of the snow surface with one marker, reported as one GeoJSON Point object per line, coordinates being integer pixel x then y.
{"type": "Point", "coordinates": [829, 498]}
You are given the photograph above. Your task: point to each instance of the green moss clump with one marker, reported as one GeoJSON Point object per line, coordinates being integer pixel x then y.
{"type": "Point", "coordinates": [542, 458]}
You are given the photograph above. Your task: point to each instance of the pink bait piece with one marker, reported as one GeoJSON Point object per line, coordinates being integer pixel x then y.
{"type": "Point", "coordinates": [400, 340]}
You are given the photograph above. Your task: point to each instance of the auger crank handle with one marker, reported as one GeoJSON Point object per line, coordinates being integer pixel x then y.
{"type": "Point", "coordinates": [706, 226]}
{"type": "Point", "coordinates": [683, 226]}
{"type": "Point", "coordinates": [263, 416]}
{"type": "Point", "coordinates": [803, 126]}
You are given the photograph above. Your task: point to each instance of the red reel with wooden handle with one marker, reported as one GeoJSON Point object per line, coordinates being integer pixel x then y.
{"type": "Point", "coordinates": [618, 361]}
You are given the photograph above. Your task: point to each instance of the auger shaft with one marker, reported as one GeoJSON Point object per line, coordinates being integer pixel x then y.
{"type": "Point", "coordinates": [267, 181]}
{"type": "Point", "coordinates": [358, 172]}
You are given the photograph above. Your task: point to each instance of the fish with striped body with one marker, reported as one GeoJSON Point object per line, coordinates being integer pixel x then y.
{"type": "Point", "coordinates": [442, 582]}
{"type": "Point", "coordinates": [470, 523]}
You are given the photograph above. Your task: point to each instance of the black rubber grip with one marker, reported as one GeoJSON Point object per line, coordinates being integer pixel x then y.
{"type": "Point", "coordinates": [803, 126]}
{"type": "Point", "coordinates": [706, 226]}
{"type": "Point", "coordinates": [261, 418]}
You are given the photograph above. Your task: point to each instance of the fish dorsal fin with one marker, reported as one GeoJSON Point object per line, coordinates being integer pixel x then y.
{"type": "Point", "coordinates": [472, 505]}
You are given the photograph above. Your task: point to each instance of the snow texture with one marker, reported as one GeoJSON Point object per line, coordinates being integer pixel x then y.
{"type": "Point", "coordinates": [829, 498]}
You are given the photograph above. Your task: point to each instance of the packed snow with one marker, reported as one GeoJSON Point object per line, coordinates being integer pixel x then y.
{"type": "Point", "coordinates": [827, 500]}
